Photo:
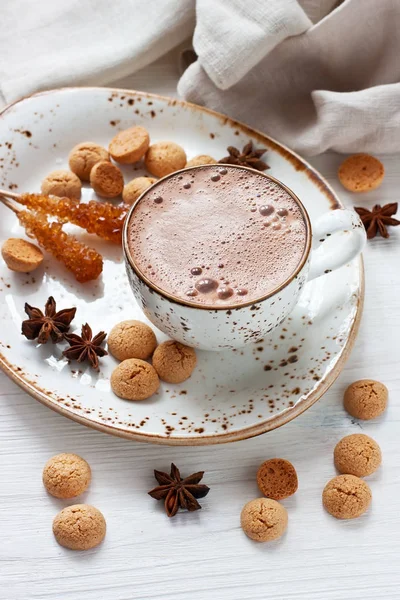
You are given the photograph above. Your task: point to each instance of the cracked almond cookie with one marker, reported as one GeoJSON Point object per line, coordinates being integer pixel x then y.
{"type": "Point", "coordinates": [346, 497]}
{"type": "Point", "coordinates": [134, 379]}
{"type": "Point", "coordinates": [366, 399]}
{"type": "Point", "coordinates": [263, 519]}
{"type": "Point", "coordinates": [174, 362]}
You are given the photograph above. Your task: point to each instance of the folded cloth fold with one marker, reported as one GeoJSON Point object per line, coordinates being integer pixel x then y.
{"type": "Point", "coordinates": [54, 43]}
{"type": "Point", "coordinates": [334, 86]}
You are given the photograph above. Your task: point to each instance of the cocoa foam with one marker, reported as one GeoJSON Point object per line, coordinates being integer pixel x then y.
{"type": "Point", "coordinates": [217, 235]}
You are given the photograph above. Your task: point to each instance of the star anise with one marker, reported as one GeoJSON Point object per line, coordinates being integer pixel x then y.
{"type": "Point", "coordinates": [85, 346]}
{"type": "Point", "coordinates": [177, 492]}
{"type": "Point", "coordinates": [248, 157]}
{"type": "Point", "coordinates": [377, 219]}
{"type": "Point", "coordinates": [50, 324]}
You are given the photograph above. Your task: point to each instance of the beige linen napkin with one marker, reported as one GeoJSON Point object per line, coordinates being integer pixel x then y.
{"type": "Point", "coordinates": [335, 86]}
{"type": "Point", "coordinates": [315, 74]}
{"type": "Point", "coordinates": [54, 43]}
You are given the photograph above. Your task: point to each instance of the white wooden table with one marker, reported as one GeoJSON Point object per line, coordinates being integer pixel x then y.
{"type": "Point", "coordinates": [205, 554]}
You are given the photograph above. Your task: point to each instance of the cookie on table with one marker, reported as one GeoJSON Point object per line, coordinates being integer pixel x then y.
{"type": "Point", "coordinates": [174, 362]}
{"type": "Point", "coordinates": [164, 158]}
{"type": "Point", "coordinates": [62, 183]}
{"type": "Point", "coordinates": [346, 497]}
{"type": "Point", "coordinates": [130, 145]}
{"type": "Point", "coordinates": [357, 454]}
{"type": "Point", "coordinates": [277, 478]}
{"type": "Point", "coordinates": [131, 339]}
{"type": "Point", "coordinates": [366, 399]}
{"type": "Point", "coordinates": [66, 475]}
{"type": "Point", "coordinates": [79, 527]}
{"type": "Point", "coordinates": [21, 256]}
{"type": "Point", "coordinates": [361, 173]}
{"type": "Point", "coordinates": [134, 379]}
{"type": "Point", "coordinates": [84, 156]}
{"type": "Point", "coordinates": [263, 519]}
{"type": "Point", "coordinates": [106, 179]}
{"type": "Point", "coordinates": [201, 159]}
{"type": "Point", "coordinates": [135, 188]}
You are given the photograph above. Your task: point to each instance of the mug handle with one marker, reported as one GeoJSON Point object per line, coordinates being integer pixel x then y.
{"type": "Point", "coordinates": [347, 226]}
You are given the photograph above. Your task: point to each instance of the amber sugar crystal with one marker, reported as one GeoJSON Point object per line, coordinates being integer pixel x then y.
{"type": "Point", "coordinates": [85, 263]}
{"type": "Point", "coordinates": [101, 218]}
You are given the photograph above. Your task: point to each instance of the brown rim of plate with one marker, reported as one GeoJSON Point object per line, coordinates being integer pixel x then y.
{"type": "Point", "coordinates": [268, 424]}
{"type": "Point", "coordinates": [194, 305]}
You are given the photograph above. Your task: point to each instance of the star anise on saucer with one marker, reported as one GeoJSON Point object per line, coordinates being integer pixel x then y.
{"type": "Point", "coordinates": [177, 492]}
{"type": "Point", "coordinates": [50, 324]}
{"type": "Point", "coordinates": [85, 346]}
{"type": "Point", "coordinates": [248, 157]}
{"type": "Point", "coordinates": [378, 219]}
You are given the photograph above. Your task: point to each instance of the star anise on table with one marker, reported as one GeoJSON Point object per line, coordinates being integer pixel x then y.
{"type": "Point", "coordinates": [50, 324]}
{"type": "Point", "coordinates": [248, 157]}
{"type": "Point", "coordinates": [85, 346]}
{"type": "Point", "coordinates": [378, 219]}
{"type": "Point", "coordinates": [177, 492]}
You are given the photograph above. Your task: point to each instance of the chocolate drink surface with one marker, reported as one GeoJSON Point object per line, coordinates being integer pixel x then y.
{"type": "Point", "coordinates": [217, 236]}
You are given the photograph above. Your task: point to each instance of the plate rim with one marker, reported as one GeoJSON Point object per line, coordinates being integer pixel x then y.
{"type": "Point", "coordinates": [254, 430]}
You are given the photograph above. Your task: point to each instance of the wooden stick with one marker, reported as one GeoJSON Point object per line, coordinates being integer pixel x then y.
{"type": "Point", "coordinates": [7, 194]}
{"type": "Point", "coordinates": [10, 205]}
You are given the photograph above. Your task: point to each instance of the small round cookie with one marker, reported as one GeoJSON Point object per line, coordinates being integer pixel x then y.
{"type": "Point", "coordinates": [79, 527]}
{"type": "Point", "coordinates": [131, 339]}
{"type": "Point", "coordinates": [174, 362]}
{"type": "Point", "coordinates": [201, 159]}
{"type": "Point", "coordinates": [106, 179]}
{"type": "Point", "coordinates": [135, 188]}
{"type": "Point", "coordinates": [277, 478]}
{"type": "Point", "coordinates": [130, 145]}
{"type": "Point", "coordinates": [21, 256]}
{"type": "Point", "coordinates": [164, 158]}
{"type": "Point", "coordinates": [346, 497]}
{"type": "Point", "coordinates": [84, 156]}
{"type": "Point", "coordinates": [66, 475]}
{"type": "Point", "coordinates": [134, 379]}
{"type": "Point", "coordinates": [361, 173]}
{"type": "Point", "coordinates": [263, 520]}
{"type": "Point", "coordinates": [62, 183]}
{"type": "Point", "coordinates": [357, 454]}
{"type": "Point", "coordinates": [366, 399]}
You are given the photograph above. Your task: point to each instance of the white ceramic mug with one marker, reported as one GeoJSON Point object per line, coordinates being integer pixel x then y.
{"type": "Point", "coordinates": [234, 326]}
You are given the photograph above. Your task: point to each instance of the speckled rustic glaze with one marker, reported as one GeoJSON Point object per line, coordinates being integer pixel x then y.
{"type": "Point", "coordinates": [232, 394]}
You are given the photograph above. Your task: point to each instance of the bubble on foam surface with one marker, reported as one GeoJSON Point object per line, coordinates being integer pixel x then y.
{"type": "Point", "coordinates": [212, 225]}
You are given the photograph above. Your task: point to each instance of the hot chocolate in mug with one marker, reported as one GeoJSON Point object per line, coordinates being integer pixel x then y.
{"type": "Point", "coordinates": [217, 255]}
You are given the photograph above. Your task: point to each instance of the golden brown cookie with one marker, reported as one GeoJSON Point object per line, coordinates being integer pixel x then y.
{"type": "Point", "coordinates": [106, 179]}
{"type": "Point", "coordinates": [20, 255]}
{"type": "Point", "coordinates": [174, 362]}
{"type": "Point", "coordinates": [277, 478]}
{"type": "Point", "coordinates": [263, 520]}
{"type": "Point", "coordinates": [66, 475]}
{"type": "Point", "coordinates": [131, 339]}
{"type": "Point", "coordinates": [361, 173]}
{"type": "Point", "coordinates": [62, 183]}
{"type": "Point", "coordinates": [357, 454]}
{"type": "Point", "coordinates": [84, 156]}
{"type": "Point", "coordinates": [130, 145]}
{"type": "Point", "coordinates": [79, 527]}
{"type": "Point", "coordinates": [135, 188]}
{"type": "Point", "coordinates": [366, 399]}
{"type": "Point", "coordinates": [201, 159]}
{"type": "Point", "coordinates": [164, 158]}
{"type": "Point", "coordinates": [346, 497]}
{"type": "Point", "coordinates": [134, 379]}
